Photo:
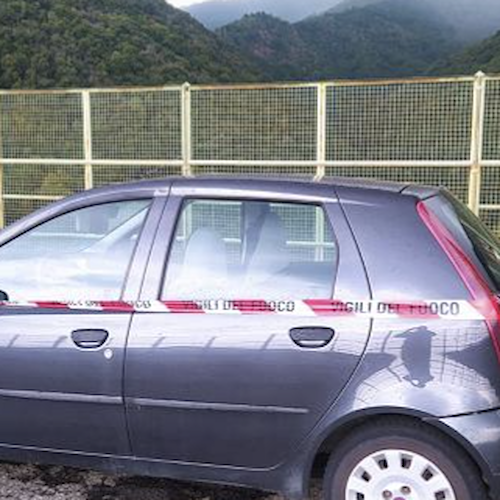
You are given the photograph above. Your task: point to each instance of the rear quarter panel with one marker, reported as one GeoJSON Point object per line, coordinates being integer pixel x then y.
{"type": "Point", "coordinates": [427, 366]}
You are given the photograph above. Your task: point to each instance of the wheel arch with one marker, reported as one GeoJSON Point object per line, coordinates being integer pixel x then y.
{"type": "Point", "coordinates": [333, 434]}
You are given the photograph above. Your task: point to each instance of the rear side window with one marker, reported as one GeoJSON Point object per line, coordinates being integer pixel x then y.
{"type": "Point", "coordinates": [474, 237]}
{"type": "Point", "coordinates": [251, 249]}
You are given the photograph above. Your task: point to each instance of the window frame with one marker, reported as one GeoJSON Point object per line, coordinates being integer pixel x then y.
{"type": "Point", "coordinates": [177, 211]}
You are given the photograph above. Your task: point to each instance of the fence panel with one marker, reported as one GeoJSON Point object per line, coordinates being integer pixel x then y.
{"type": "Point", "coordinates": [434, 131]}
{"type": "Point", "coordinates": [410, 122]}
{"type": "Point", "coordinates": [490, 179]}
{"type": "Point", "coordinates": [136, 125]}
{"type": "Point", "coordinates": [491, 145]}
{"type": "Point", "coordinates": [37, 125]}
{"type": "Point", "coordinates": [277, 124]}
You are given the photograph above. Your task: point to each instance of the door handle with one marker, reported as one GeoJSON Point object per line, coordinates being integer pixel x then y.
{"type": "Point", "coordinates": [312, 337]}
{"type": "Point", "coordinates": [90, 339]}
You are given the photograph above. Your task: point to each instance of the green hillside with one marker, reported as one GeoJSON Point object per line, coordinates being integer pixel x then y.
{"type": "Point", "coordinates": [484, 56]}
{"type": "Point", "coordinates": [217, 13]}
{"type": "Point", "coordinates": [73, 43]}
{"type": "Point", "coordinates": [473, 20]}
{"type": "Point", "coordinates": [276, 46]}
{"type": "Point", "coordinates": [393, 38]}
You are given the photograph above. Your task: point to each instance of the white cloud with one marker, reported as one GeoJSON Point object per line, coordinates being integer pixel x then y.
{"type": "Point", "coordinates": [180, 3]}
{"type": "Point", "coordinates": [184, 3]}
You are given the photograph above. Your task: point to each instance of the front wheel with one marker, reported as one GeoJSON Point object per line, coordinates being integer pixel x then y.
{"type": "Point", "coordinates": [396, 460]}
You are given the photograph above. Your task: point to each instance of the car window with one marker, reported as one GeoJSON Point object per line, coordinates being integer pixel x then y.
{"type": "Point", "coordinates": [251, 249]}
{"type": "Point", "coordinates": [81, 255]}
{"type": "Point", "coordinates": [484, 242]}
{"type": "Point", "coordinates": [474, 238]}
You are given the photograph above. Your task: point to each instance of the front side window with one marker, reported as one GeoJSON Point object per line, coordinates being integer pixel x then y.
{"type": "Point", "coordinates": [81, 255]}
{"type": "Point", "coordinates": [251, 250]}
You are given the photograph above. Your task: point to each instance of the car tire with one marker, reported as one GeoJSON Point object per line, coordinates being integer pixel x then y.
{"type": "Point", "coordinates": [396, 459]}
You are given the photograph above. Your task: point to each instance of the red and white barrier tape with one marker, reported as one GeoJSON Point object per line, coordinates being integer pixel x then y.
{"type": "Point", "coordinates": [438, 309]}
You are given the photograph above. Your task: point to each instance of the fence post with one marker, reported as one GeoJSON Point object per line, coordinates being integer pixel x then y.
{"type": "Point", "coordinates": [186, 130]}
{"type": "Point", "coordinates": [477, 141]}
{"type": "Point", "coordinates": [321, 133]}
{"type": "Point", "coordinates": [87, 139]}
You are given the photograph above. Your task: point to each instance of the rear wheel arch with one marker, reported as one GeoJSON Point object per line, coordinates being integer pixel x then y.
{"type": "Point", "coordinates": [341, 430]}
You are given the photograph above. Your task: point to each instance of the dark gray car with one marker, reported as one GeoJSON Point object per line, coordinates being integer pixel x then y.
{"type": "Point", "coordinates": [248, 331]}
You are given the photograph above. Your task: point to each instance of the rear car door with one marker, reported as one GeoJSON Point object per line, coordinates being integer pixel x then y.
{"type": "Point", "coordinates": [214, 385]}
{"type": "Point", "coordinates": [61, 370]}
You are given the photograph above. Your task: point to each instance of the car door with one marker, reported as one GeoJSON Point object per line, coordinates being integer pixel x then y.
{"type": "Point", "coordinates": [61, 370]}
{"type": "Point", "coordinates": [241, 385]}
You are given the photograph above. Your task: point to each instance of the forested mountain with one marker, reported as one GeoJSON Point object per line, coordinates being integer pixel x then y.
{"type": "Point", "coordinates": [276, 46]}
{"type": "Point", "coordinates": [386, 39]}
{"type": "Point", "coordinates": [68, 43]}
{"type": "Point", "coordinates": [473, 20]}
{"type": "Point", "coordinates": [80, 43]}
{"type": "Point", "coordinates": [217, 13]}
{"type": "Point", "coordinates": [484, 56]}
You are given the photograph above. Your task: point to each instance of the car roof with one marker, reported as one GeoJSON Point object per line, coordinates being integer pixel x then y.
{"type": "Point", "coordinates": [345, 188]}
{"type": "Point", "coordinates": [267, 182]}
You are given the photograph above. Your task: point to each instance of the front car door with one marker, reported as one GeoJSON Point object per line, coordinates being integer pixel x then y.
{"type": "Point", "coordinates": [215, 385]}
{"type": "Point", "coordinates": [61, 370]}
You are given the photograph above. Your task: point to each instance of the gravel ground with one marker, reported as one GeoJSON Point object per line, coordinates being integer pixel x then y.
{"type": "Point", "coordinates": [30, 482]}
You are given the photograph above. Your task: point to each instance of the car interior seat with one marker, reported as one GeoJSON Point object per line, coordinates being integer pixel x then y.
{"type": "Point", "coordinates": [270, 258]}
{"type": "Point", "coordinates": [203, 272]}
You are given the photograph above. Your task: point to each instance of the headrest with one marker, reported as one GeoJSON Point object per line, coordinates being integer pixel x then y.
{"type": "Point", "coordinates": [204, 270]}
{"type": "Point", "coordinates": [271, 255]}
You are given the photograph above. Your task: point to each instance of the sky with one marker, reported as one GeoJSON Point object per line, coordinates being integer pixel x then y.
{"type": "Point", "coordinates": [183, 3]}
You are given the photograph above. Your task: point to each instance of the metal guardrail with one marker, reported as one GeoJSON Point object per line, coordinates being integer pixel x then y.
{"type": "Point", "coordinates": [431, 130]}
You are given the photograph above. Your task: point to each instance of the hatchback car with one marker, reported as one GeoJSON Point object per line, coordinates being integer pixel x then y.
{"type": "Point", "coordinates": [247, 331]}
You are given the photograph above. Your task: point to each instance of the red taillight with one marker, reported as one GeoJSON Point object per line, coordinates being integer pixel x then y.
{"type": "Point", "coordinates": [482, 297]}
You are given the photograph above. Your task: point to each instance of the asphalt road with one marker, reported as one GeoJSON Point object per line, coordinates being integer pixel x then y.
{"type": "Point", "coordinates": [30, 482]}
